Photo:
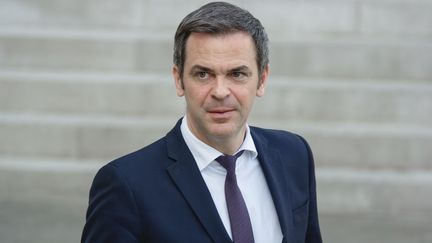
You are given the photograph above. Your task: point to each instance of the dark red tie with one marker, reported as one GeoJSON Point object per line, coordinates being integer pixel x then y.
{"type": "Point", "coordinates": [241, 227]}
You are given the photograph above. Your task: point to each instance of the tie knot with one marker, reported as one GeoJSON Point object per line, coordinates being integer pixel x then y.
{"type": "Point", "coordinates": [229, 161]}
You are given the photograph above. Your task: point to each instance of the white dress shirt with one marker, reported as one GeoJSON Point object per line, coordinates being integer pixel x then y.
{"type": "Point", "coordinates": [250, 179]}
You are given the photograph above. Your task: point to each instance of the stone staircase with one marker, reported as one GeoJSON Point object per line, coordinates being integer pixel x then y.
{"type": "Point", "coordinates": [83, 82]}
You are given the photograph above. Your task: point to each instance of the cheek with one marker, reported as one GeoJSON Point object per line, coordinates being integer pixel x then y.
{"type": "Point", "coordinates": [195, 97]}
{"type": "Point", "coordinates": [246, 96]}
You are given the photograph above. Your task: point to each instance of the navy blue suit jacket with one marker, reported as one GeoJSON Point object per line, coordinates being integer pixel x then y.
{"type": "Point", "coordinates": [157, 194]}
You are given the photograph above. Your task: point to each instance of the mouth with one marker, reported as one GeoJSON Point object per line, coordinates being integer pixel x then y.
{"type": "Point", "coordinates": [220, 110]}
{"type": "Point", "coordinates": [220, 113]}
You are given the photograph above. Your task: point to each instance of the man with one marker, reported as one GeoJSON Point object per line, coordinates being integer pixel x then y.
{"type": "Point", "coordinates": [212, 178]}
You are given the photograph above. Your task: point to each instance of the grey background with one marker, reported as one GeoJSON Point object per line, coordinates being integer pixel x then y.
{"type": "Point", "coordinates": [83, 82]}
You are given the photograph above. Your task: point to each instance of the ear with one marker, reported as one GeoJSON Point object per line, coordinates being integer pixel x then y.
{"type": "Point", "coordinates": [262, 82]}
{"type": "Point", "coordinates": [178, 81]}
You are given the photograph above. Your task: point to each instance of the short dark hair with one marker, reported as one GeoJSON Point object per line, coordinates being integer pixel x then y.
{"type": "Point", "coordinates": [220, 18]}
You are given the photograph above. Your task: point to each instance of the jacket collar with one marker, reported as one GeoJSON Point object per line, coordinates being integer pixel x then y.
{"type": "Point", "coordinates": [273, 168]}
{"type": "Point", "coordinates": [185, 174]}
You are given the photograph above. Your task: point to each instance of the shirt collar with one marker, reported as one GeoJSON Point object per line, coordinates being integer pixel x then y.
{"type": "Point", "coordinates": [205, 154]}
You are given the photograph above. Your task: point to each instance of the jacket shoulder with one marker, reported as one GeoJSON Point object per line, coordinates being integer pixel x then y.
{"type": "Point", "coordinates": [287, 143]}
{"type": "Point", "coordinates": [150, 157]}
{"type": "Point", "coordinates": [274, 136]}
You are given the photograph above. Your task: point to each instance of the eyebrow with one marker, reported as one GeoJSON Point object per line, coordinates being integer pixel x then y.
{"type": "Point", "coordinates": [199, 68]}
{"type": "Point", "coordinates": [242, 68]}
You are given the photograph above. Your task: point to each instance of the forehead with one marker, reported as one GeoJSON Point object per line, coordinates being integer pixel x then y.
{"type": "Point", "coordinates": [220, 48]}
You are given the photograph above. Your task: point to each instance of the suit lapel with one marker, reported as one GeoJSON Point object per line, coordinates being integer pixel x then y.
{"type": "Point", "coordinates": [186, 175]}
{"type": "Point", "coordinates": [272, 166]}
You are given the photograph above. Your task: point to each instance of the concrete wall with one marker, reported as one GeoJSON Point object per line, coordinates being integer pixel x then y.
{"type": "Point", "coordinates": [83, 82]}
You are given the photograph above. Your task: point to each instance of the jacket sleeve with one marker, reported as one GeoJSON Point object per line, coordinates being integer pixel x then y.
{"type": "Point", "coordinates": [112, 214]}
{"type": "Point", "coordinates": [313, 234]}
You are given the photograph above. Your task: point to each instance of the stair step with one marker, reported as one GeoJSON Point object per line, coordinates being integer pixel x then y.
{"type": "Point", "coordinates": [42, 206]}
{"type": "Point", "coordinates": [89, 94]}
{"type": "Point", "coordinates": [128, 13]}
{"type": "Point", "coordinates": [138, 94]}
{"type": "Point", "coordinates": [347, 17]}
{"type": "Point", "coordinates": [75, 137]}
{"type": "Point", "coordinates": [364, 191]}
{"type": "Point", "coordinates": [293, 57]}
{"type": "Point", "coordinates": [89, 137]}
{"type": "Point", "coordinates": [372, 146]}
{"type": "Point", "coordinates": [386, 192]}
{"type": "Point", "coordinates": [375, 228]}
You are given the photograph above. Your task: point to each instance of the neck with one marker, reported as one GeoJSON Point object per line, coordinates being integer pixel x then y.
{"type": "Point", "coordinates": [228, 145]}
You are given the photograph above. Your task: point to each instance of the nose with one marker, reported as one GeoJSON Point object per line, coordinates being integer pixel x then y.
{"type": "Point", "coordinates": [220, 89]}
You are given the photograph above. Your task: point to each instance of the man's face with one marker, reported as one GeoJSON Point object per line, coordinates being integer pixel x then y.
{"type": "Point", "coordinates": [220, 81]}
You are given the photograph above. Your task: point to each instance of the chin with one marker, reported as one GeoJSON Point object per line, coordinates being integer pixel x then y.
{"type": "Point", "coordinates": [222, 130]}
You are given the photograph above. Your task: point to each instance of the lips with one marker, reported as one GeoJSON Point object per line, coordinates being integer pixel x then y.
{"type": "Point", "coordinates": [220, 113]}
{"type": "Point", "coordinates": [220, 110]}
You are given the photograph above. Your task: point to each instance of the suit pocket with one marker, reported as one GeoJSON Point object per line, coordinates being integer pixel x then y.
{"type": "Point", "coordinates": [300, 214]}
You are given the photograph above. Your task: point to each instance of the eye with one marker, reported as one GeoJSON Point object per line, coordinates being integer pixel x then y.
{"type": "Point", "coordinates": [202, 75]}
{"type": "Point", "coordinates": [238, 75]}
